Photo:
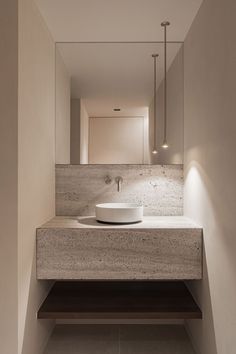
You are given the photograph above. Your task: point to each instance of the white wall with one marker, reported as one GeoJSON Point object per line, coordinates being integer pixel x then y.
{"type": "Point", "coordinates": [79, 132]}
{"type": "Point", "coordinates": [36, 166]}
{"type": "Point", "coordinates": [8, 176]}
{"type": "Point", "coordinates": [210, 169]}
{"type": "Point", "coordinates": [116, 140]}
{"type": "Point", "coordinates": [84, 133]}
{"type": "Point", "coordinates": [62, 111]}
{"type": "Point", "coordinates": [75, 132]}
{"type": "Point", "coordinates": [175, 116]}
{"type": "Point", "coordinates": [146, 147]}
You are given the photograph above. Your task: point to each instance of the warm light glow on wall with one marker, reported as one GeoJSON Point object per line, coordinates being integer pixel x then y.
{"type": "Point", "coordinates": [198, 187]}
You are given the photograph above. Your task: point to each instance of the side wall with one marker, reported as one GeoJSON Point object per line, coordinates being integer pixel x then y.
{"type": "Point", "coordinates": [75, 131]}
{"type": "Point", "coordinates": [84, 133]}
{"type": "Point", "coordinates": [210, 168]}
{"type": "Point", "coordinates": [8, 175]}
{"type": "Point", "coordinates": [79, 135]}
{"type": "Point", "coordinates": [36, 170]}
{"type": "Point", "coordinates": [62, 111]}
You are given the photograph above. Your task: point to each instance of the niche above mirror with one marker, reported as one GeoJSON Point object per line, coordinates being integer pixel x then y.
{"type": "Point", "coordinates": [105, 103]}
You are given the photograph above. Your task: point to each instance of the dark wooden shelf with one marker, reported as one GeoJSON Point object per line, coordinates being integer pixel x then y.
{"type": "Point", "coordinates": [119, 300]}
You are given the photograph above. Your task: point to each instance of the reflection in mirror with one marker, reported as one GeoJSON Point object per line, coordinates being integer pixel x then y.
{"type": "Point", "coordinates": [105, 103]}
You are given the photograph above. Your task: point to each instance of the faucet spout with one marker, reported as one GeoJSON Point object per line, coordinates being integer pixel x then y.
{"type": "Point", "coordinates": [119, 181]}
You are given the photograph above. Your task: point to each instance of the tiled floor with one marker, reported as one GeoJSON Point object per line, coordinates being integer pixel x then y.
{"type": "Point", "coordinates": [119, 339]}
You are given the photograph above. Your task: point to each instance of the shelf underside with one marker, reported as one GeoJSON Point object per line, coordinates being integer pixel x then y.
{"type": "Point", "coordinates": [119, 300]}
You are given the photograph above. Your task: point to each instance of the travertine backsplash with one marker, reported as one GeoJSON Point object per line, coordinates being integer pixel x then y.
{"type": "Point", "coordinates": [80, 187]}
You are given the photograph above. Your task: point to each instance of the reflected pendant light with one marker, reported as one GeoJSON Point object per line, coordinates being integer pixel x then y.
{"type": "Point", "coordinates": [155, 56]}
{"type": "Point", "coordinates": [165, 143]}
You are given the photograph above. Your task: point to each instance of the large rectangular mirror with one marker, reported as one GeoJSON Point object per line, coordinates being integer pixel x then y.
{"type": "Point", "coordinates": [105, 103]}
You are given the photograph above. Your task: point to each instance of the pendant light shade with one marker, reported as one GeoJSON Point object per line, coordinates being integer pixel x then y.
{"type": "Point", "coordinates": [155, 56]}
{"type": "Point", "coordinates": [165, 143]}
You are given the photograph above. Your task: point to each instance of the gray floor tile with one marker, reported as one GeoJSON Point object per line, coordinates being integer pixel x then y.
{"type": "Point", "coordinates": [147, 339]}
{"type": "Point", "coordinates": [122, 339]}
{"type": "Point", "coordinates": [84, 339]}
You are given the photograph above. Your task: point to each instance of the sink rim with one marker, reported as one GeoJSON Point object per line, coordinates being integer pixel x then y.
{"type": "Point", "coordinates": [119, 206]}
{"type": "Point", "coordinates": [119, 213]}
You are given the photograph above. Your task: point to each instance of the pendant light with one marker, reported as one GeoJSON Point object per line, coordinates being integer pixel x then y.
{"type": "Point", "coordinates": [165, 143]}
{"type": "Point", "coordinates": [155, 56]}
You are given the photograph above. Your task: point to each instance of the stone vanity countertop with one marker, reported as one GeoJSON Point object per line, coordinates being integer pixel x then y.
{"type": "Point", "coordinates": [149, 222]}
{"type": "Point", "coordinates": [159, 247]}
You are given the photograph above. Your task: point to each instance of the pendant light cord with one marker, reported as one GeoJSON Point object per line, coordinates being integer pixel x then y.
{"type": "Point", "coordinates": [165, 24]}
{"type": "Point", "coordinates": [155, 56]}
{"type": "Point", "coordinates": [165, 85]}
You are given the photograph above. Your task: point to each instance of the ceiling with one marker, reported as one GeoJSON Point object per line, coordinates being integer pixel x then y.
{"type": "Point", "coordinates": [110, 75]}
{"type": "Point", "coordinates": [117, 20]}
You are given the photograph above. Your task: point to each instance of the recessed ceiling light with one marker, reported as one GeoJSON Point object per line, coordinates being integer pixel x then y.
{"type": "Point", "coordinates": [116, 109]}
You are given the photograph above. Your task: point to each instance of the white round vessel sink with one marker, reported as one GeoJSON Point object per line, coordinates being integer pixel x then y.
{"type": "Point", "coordinates": [119, 213]}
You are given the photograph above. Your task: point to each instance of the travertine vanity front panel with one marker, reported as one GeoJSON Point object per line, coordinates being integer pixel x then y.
{"type": "Point", "coordinates": [157, 248]}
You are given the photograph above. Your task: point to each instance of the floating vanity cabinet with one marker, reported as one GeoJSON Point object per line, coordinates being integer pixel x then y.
{"type": "Point", "coordinates": [159, 248]}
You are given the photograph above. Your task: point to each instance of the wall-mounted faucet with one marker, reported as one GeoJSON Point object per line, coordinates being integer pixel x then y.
{"type": "Point", "coordinates": [119, 181]}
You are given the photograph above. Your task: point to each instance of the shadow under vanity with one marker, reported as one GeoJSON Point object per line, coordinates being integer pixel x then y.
{"type": "Point", "coordinates": [135, 271]}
